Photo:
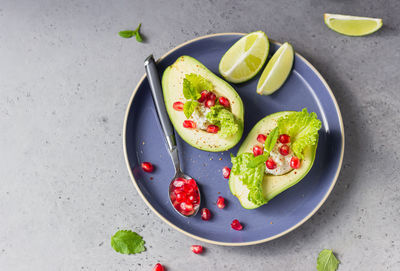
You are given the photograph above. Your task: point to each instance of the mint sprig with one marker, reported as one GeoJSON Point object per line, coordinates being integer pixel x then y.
{"type": "Point", "coordinates": [268, 146]}
{"type": "Point", "coordinates": [127, 242]}
{"type": "Point", "coordinates": [130, 33]}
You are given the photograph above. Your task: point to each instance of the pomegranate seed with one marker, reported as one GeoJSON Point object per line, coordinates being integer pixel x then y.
{"type": "Point", "coordinates": [209, 103]}
{"type": "Point", "coordinates": [284, 150]}
{"type": "Point", "coordinates": [236, 225]}
{"type": "Point", "coordinates": [284, 138]}
{"type": "Point", "coordinates": [186, 207]}
{"type": "Point", "coordinates": [205, 214]}
{"type": "Point", "coordinates": [180, 197]}
{"type": "Point", "coordinates": [190, 199]}
{"type": "Point", "coordinates": [221, 202]}
{"type": "Point", "coordinates": [179, 182]}
{"type": "Point", "coordinates": [192, 183]}
{"type": "Point", "coordinates": [295, 162]}
{"type": "Point", "coordinates": [197, 249]}
{"type": "Point", "coordinates": [188, 188]}
{"type": "Point", "coordinates": [257, 150]}
{"type": "Point", "coordinates": [204, 94]}
{"type": "Point", "coordinates": [211, 96]}
{"type": "Point", "coordinates": [226, 172]}
{"type": "Point", "coordinates": [176, 205]}
{"type": "Point", "coordinates": [178, 106]}
{"type": "Point", "coordinates": [189, 124]}
{"type": "Point", "coordinates": [213, 129]}
{"type": "Point", "coordinates": [223, 101]}
{"type": "Point", "coordinates": [172, 196]}
{"type": "Point", "coordinates": [158, 267]}
{"type": "Point", "coordinates": [270, 164]}
{"type": "Point", "coordinates": [147, 167]}
{"type": "Point", "coordinates": [261, 138]}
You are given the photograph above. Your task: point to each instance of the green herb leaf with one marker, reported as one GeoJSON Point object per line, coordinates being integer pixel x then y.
{"type": "Point", "coordinates": [127, 242]}
{"type": "Point", "coordinates": [302, 127]}
{"type": "Point", "coordinates": [327, 261]}
{"type": "Point", "coordinates": [271, 140]}
{"type": "Point", "coordinates": [189, 91]}
{"type": "Point", "coordinates": [127, 34]}
{"type": "Point", "coordinates": [251, 177]}
{"type": "Point", "coordinates": [268, 145]}
{"type": "Point", "coordinates": [189, 107]}
{"type": "Point", "coordinates": [138, 36]}
{"type": "Point", "coordinates": [258, 160]}
{"type": "Point", "coordinates": [193, 84]}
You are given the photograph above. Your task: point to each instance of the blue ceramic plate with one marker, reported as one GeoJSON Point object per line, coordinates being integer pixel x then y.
{"type": "Point", "coordinates": [143, 142]}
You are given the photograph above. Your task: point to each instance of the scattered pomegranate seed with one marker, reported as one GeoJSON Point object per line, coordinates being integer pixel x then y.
{"type": "Point", "coordinates": [284, 138]}
{"type": "Point", "coordinates": [221, 202]}
{"type": "Point", "coordinates": [158, 267]}
{"type": "Point", "coordinates": [213, 129]}
{"type": "Point", "coordinates": [197, 249]}
{"type": "Point", "coordinates": [209, 103]}
{"type": "Point", "coordinates": [189, 124]}
{"type": "Point", "coordinates": [261, 138]}
{"type": "Point", "coordinates": [236, 225]}
{"type": "Point", "coordinates": [223, 101]}
{"type": "Point", "coordinates": [178, 106]}
{"type": "Point", "coordinates": [284, 150]}
{"type": "Point", "coordinates": [295, 162]}
{"type": "Point", "coordinates": [205, 214]}
{"type": "Point", "coordinates": [270, 164]}
{"type": "Point", "coordinates": [147, 167]}
{"type": "Point", "coordinates": [257, 150]}
{"type": "Point", "coordinates": [204, 94]}
{"type": "Point", "coordinates": [226, 172]}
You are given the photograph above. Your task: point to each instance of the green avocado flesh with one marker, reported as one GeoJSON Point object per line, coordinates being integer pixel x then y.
{"type": "Point", "coordinates": [272, 185]}
{"type": "Point", "coordinates": [172, 84]}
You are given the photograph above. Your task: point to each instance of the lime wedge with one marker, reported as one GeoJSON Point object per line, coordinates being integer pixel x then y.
{"type": "Point", "coordinates": [245, 58]}
{"type": "Point", "coordinates": [277, 70]}
{"type": "Point", "coordinates": [352, 25]}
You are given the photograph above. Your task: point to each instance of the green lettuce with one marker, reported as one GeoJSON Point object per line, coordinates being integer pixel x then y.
{"type": "Point", "coordinates": [251, 177]}
{"type": "Point", "coordinates": [302, 127]}
{"type": "Point", "coordinates": [224, 119]}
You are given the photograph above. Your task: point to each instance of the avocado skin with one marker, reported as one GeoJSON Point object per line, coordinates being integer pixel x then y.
{"type": "Point", "coordinates": [172, 90]}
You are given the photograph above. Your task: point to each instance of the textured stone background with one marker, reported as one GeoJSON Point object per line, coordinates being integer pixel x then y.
{"type": "Point", "coordinates": [66, 78]}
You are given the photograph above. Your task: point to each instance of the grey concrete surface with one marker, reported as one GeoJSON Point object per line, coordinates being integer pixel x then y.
{"type": "Point", "coordinates": [65, 81]}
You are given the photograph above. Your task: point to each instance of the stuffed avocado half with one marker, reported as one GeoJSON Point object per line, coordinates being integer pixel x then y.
{"type": "Point", "coordinates": [204, 109]}
{"type": "Point", "coordinates": [278, 153]}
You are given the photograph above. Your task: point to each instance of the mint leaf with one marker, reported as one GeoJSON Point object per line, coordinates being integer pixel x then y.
{"type": "Point", "coordinates": [327, 261]}
{"type": "Point", "coordinates": [138, 36]}
{"type": "Point", "coordinates": [127, 242]}
{"type": "Point", "coordinates": [271, 140]}
{"type": "Point", "coordinates": [127, 34]}
{"type": "Point", "coordinates": [189, 107]}
{"type": "Point", "coordinates": [258, 160]}
{"type": "Point", "coordinates": [189, 91]}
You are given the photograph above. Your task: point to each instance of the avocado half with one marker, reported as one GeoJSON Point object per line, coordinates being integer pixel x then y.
{"type": "Point", "coordinates": [172, 84]}
{"type": "Point", "coordinates": [272, 185]}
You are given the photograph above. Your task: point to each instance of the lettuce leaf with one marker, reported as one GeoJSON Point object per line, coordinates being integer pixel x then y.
{"type": "Point", "coordinates": [224, 119]}
{"type": "Point", "coordinates": [251, 177]}
{"type": "Point", "coordinates": [302, 127]}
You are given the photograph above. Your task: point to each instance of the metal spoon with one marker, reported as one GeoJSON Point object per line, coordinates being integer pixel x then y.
{"type": "Point", "coordinates": [168, 131]}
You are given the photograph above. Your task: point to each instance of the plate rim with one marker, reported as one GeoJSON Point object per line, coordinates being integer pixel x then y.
{"type": "Point", "coordinates": [298, 224]}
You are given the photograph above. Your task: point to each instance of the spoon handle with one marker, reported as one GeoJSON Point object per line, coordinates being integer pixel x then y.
{"type": "Point", "coordinates": [156, 91]}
